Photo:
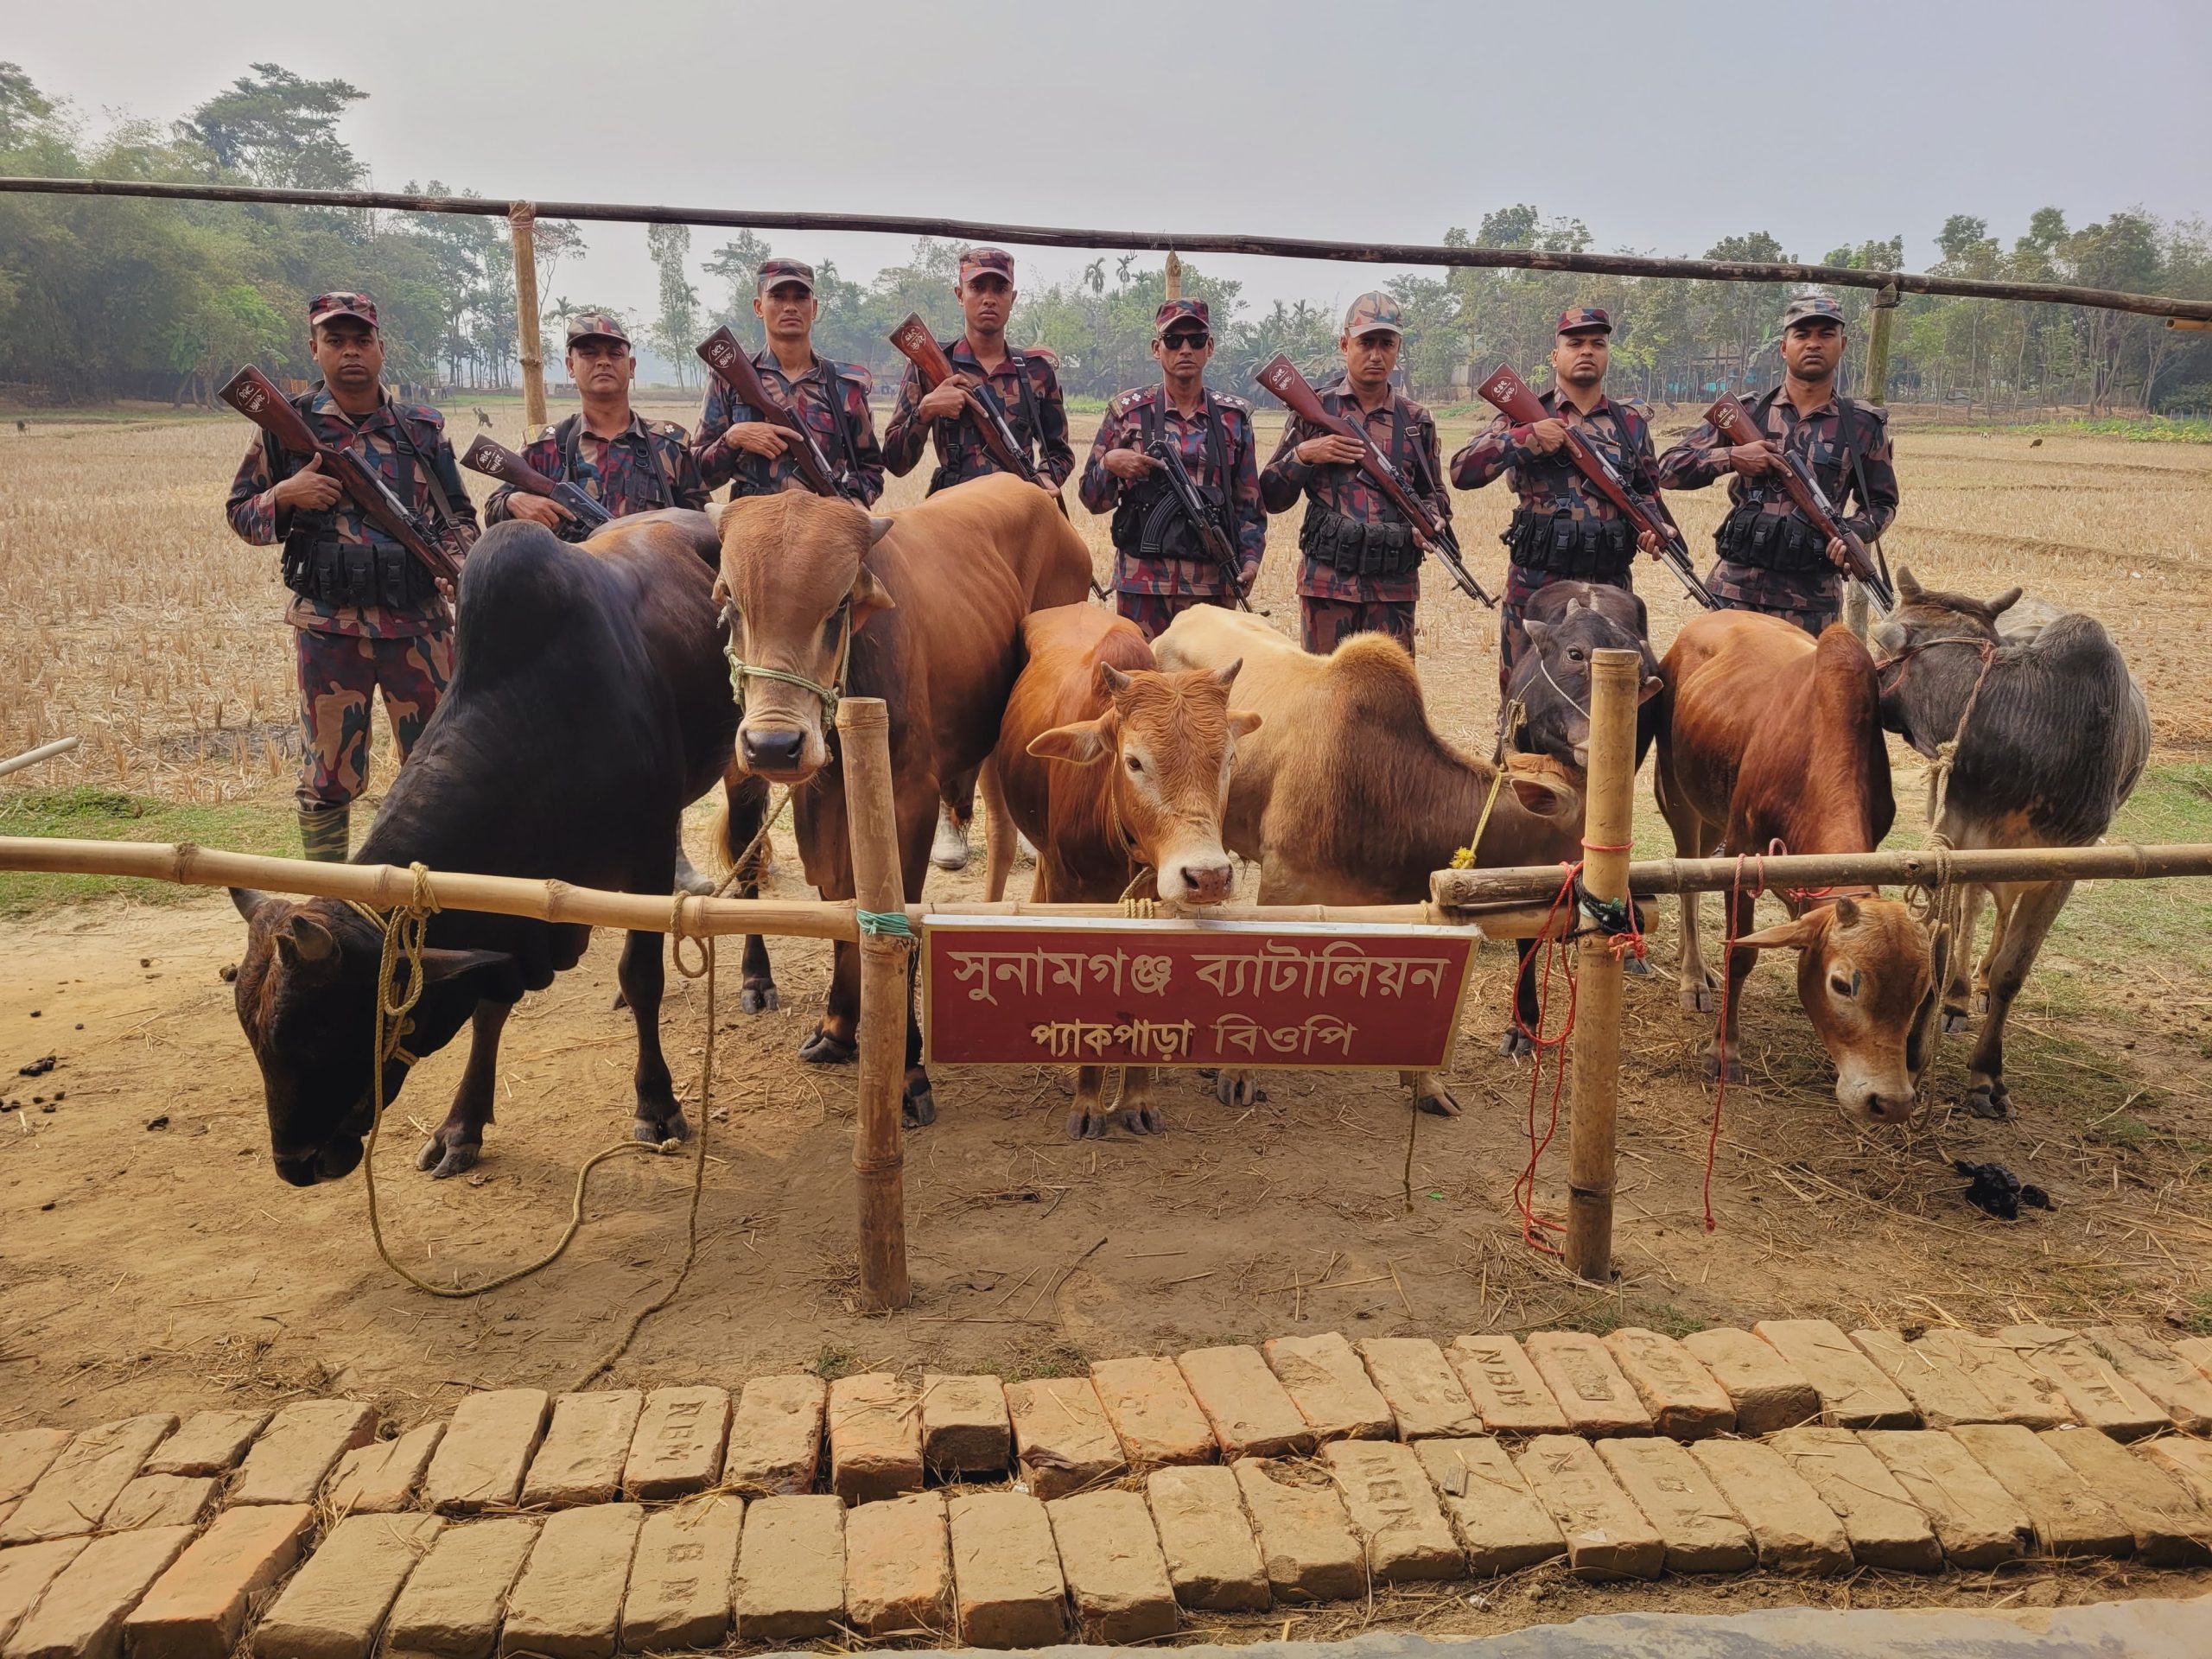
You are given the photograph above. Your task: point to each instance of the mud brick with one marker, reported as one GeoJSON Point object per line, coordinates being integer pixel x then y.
{"type": "Point", "coordinates": [453, 1602]}
{"type": "Point", "coordinates": [679, 1593]}
{"type": "Point", "coordinates": [1305, 1538]}
{"type": "Point", "coordinates": [1394, 1512]}
{"type": "Point", "coordinates": [965, 1428]}
{"type": "Point", "coordinates": [1579, 1371]}
{"type": "Point", "coordinates": [25, 1455]}
{"type": "Point", "coordinates": [1685, 1400]}
{"type": "Point", "coordinates": [1768, 1392]}
{"type": "Point", "coordinates": [1424, 1398]}
{"type": "Point", "coordinates": [2188, 1461]}
{"type": "Point", "coordinates": [1325, 1379]}
{"type": "Point", "coordinates": [380, 1478]}
{"type": "Point", "coordinates": [1496, 1518]}
{"type": "Point", "coordinates": [1005, 1571]}
{"type": "Point", "coordinates": [678, 1446]}
{"type": "Point", "coordinates": [1154, 1412]}
{"type": "Point", "coordinates": [1250, 1414]}
{"type": "Point", "coordinates": [1115, 1574]}
{"type": "Point", "coordinates": [1212, 1559]}
{"type": "Point", "coordinates": [2170, 1528]}
{"type": "Point", "coordinates": [335, 1605]}
{"type": "Point", "coordinates": [567, 1603]}
{"type": "Point", "coordinates": [586, 1447]}
{"type": "Point", "coordinates": [25, 1571]}
{"type": "Point", "coordinates": [2017, 1392]}
{"type": "Point", "coordinates": [207, 1442]}
{"type": "Point", "coordinates": [2100, 1397]}
{"type": "Point", "coordinates": [790, 1569]}
{"type": "Point", "coordinates": [2197, 1350]}
{"type": "Point", "coordinates": [1978, 1522]}
{"type": "Point", "coordinates": [1793, 1530]}
{"type": "Point", "coordinates": [875, 1437]}
{"type": "Point", "coordinates": [1607, 1536]}
{"type": "Point", "coordinates": [1508, 1394]}
{"type": "Point", "coordinates": [1941, 1393]}
{"type": "Point", "coordinates": [80, 1616]}
{"type": "Point", "coordinates": [2068, 1517]}
{"type": "Point", "coordinates": [1697, 1524]}
{"type": "Point", "coordinates": [1885, 1527]}
{"type": "Point", "coordinates": [160, 1501]}
{"type": "Point", "coordinates": [196, 1609]}
{"type": "Point", "coordinates": [301, 1446]}
{"type": "Point", "coordinates": [2182, 1391]}
{"type": "Point", "coordinates": [1061, 1435]}
{"type": "Point", "coordinates": [88, 1475]}
{"type": "Point", "coordinates": [1853, 1393]}
{"type": "Point", "coordinates": [775, 1436]}
{"type": "Point", "coordinates": [898, 1566]}
{"type": "Point", "coordinates": [479, 1463]}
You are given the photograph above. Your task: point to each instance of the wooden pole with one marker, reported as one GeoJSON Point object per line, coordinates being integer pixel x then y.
{"type": "Point", "coordinates": [879, 1143]}
{"type": "Point", "coordinates": [32, 757]}
{"type": "Point", "coordinates": [1878, 382]}
{"type": "Point", "coordinates": [1174, 275]}
{"type": "Point", "coordinates": [522, 222]}
{"type": "Point", "coordinates": [1615, 677]}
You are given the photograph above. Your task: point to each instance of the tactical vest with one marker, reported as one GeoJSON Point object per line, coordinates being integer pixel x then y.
{"type": "Point", "coordinates": [1584, 548]}
{"type": "Point", "coordinates": [1377, 548]}
{"type": "Point", "coordinates": [1787, 542]}
{"type": "Point", "coordinates": [568, 440]}
{"type": "Point", "coordinates": [834, 398]}
{"type": "Point", "coordinates": [320, 565]}
{"type": "Point", "coordinates": [1150, 522]}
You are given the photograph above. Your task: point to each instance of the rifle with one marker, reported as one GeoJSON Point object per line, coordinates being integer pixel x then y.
{"type": "Point", "coordinates": [251, 393]}
{"type": "Point", "coordinates": [1280, 377]}
{"type": "Point", "coordinates": [1509, 393]}
{"type": "Point", "coordinates": [495, 459]}
{"type": "Point", "coordinates": [1734, 423]}
{"type": "Point", "coordinates": [919, 345]}
{"type": "Point", "coordinates": [1210, 534]}
{"type": "Point", "coordinates": [720, 352]}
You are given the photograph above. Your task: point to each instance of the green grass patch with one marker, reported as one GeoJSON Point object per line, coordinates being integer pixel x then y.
{"type": "Point", "coordinates": [833, 1362]}
{"type": "Point", "coordinates": [91, 814]}
{"type": "Point", "coordinates": [2113, 927]}
{"type": "Point", "coordinates": [1615, 1312]}
{"type": "Point", "coordinates": [2134, 429]}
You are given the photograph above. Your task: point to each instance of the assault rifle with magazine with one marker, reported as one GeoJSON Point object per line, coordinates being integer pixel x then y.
{"type": "Point", "coordinates": [494, 460]}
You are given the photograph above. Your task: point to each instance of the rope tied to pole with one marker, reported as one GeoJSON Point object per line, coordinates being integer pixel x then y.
{"type": "Point", "coordinates": [884, 925]}
{"type": "Point", "coordinates": [1516, 715]}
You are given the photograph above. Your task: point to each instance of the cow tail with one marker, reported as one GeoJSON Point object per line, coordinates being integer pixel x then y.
{"type": "Point", "coordinates": [998, 834]}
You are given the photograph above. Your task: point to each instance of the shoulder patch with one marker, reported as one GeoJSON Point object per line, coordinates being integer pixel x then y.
{"type": "Point", "coordinates": [1416, 415]}
{"type": "Point", "coordinates": [1637, 407]}
{"type": "Point", "coordinates": [428, 415]}
{"type": "Point", "coordinates": [1230, 400]}
{"type": "Point", "coordinates": [1132, 399]}
{"type": "Point", "coordinates": [858, 373]}
{"type": "Point", "coordinates": [671, 431]}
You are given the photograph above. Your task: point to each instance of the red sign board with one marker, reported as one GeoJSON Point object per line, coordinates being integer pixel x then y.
{"type": "Point", "coordinates": [1016, 990]}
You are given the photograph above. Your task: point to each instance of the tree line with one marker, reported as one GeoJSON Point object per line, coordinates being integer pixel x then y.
{"type": "Point", "coordinates": [107, 296]}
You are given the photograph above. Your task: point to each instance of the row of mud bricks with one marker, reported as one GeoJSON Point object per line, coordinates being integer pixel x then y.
{"type": "Point", "coordinates": [1113, 1507]}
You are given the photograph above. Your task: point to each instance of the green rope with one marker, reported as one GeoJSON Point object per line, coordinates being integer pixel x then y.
{"type": "Point", "coordinates": [882, 922]}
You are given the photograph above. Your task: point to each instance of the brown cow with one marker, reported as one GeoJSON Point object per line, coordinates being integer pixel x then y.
{"type": "Point", "coordinates": [1346, 793]}
{"type": "Point", "coordinates": [1766, 736]}
{"type": "Point", "coordinates": [1091, 694]}
{"type": "Point", "coordinates": [922, 608]}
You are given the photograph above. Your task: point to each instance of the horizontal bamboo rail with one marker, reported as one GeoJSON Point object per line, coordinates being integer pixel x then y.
{"type": "Point", "coordinates": [32, 757]}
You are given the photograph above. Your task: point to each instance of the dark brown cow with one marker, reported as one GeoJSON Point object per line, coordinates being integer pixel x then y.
{"type": "Point", "coordinates": [1766, 736]}
{"type": "Point", "coordinates": [922, 609]}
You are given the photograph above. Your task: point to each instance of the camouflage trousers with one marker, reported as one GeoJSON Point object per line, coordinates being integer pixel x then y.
{"type": "Point", "coordinates": [1811, 601]}
{"type": "Point", "coordinates": [339, 675]}
{"type": "Point", "coordinates": [1521, 585]}
{"type": "Point", "coordinates": [1152, 612]}
{"type": "Point", "coordinates": [1324, 624]}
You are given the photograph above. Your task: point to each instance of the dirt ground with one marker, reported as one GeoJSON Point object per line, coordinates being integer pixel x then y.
{"type": "Point", "coordinates": [148, 1256]}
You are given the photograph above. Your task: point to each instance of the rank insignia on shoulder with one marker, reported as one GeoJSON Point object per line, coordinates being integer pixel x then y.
{"type": "Point", "coordinates": [1132, 400]}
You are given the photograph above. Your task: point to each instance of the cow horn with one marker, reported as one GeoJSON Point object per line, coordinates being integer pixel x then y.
{"type": "Point", "coordinates": [1225, 676]}
{"type": "Point", "coordinates": [2005, 601]}
{"type": "Point", "coordinates": [248, 901]}
{"type": "Point", "coordinates": [878, 528]}
{"type": "Point", "coordinates": [1114, 679]}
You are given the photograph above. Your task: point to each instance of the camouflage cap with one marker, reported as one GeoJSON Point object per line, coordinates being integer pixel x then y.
{"type": "Point", "coordinates": [774, 271]}
{"type": "Point", "coordinates": [1806, 306]}
{"type": "Point", "coordinates": [976, 261]}
{"type": "Point", "coordinates": [1374, 313]}
{"type": "Point", "coordinates": [596, 325]}
{"type": "Point", "coordinates": [324, 307]}
{"type": "Point", "coordinates": [1577, 317]}
{"type": "Point", "coordinates": [1175, 311]}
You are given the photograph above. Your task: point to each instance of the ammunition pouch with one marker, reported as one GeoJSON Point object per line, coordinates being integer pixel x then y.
{"type": "Point", "coordinates": [1384, 548]}
{"type": "Point", "coordinates": [1150, 523]}
{"type": "Point", "coordinates": [1561, 546]}
{"type": "Point", "coordinates": [1785, 543]}
{"type": "Point", "coordinates": [335, 572]}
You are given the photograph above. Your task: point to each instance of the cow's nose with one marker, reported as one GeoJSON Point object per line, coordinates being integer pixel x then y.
{"type": "Point", "coordinates": [1207, 884]}
{"type": "Point", "coordinates": [1886, 1109]}
{"type": "Point", "coordinates": [299, 1172]}
{"type": "Point", "coordinates": [776, 749]}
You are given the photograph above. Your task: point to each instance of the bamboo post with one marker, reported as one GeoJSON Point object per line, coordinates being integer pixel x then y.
{"type": "Point", "coordinates": [1615, 677]}
{"type": "Point", "coordinates": [879, 1147]}
{"type": "Point", "coordinates": [1878, 382]}
{"type": "Point", "coordinates": [1174, 275]}
{"type": "Point", "coordinates": [522, 222]}
{"type": "Point", "coordinates": [32, 757]}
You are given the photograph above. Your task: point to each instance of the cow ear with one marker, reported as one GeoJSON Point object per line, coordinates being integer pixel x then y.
{"type": "Point", "coordinates": [1225, 676]}
{"type": "Point", "coordinates": [2005, 601]}
{"type": "Point", "coordinates": [451, 964]}
{"type": "Point", "coordinates": [878, 528]}
{"type": "Point", "coordinates": [1792, 936]}
{"type": "Point", "coordinates": [1083, 744]}
{"type": "Point", "coordinates": [1539, 633]}
{"type": "Point", "coordinates": [248, 901]}
{"type": "Point", "coordinates": [307, 939]}
{"type": "Point", "coordinates": [1652, 686]}
{"type": "Point", "coordinates": [869, 596]}
{"type": "Point", "coordinates": [1908, 584]}
{"type": "Point", "coordinates": [1242, 722]}
{"type": "Point", "coordinates": [1541, 797]}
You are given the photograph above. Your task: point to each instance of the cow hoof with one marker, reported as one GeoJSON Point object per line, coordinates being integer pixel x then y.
{"type": "Point", "coordinates": [1989, 1099]}
{"type": "Point", "coordinates": [950, 850]}
{"type": "Point", "coordinates": [827, 1048]}
{"type": "Point", "coordinates": [1515, 1044]}
{"type": "Point", "coordinates": [1982, 1001]}
{"type": "Point", "coordinates": [1955, 1021]}
{"type": "Point", "coordinates": [917, 1108]}
{"type": "Point", "coordinates": [444, 1162]}
{"type": "Point", "coordinates": [1701, 1000]}
{"type": "Point", "coordinates": [1635, 967]}
{"type": "Point", "coordinates": [1086, 1125]}
{"type": "Point", "coordinates": [1232, 1090]}
{"type": "Point", "coordinates": [656, 1132]}
{"type": "Point", "coordinates": [1439, 1105]}
{"type": "Point", "coordinates": [757, 999]}
{"type": "Point", "coordinates": [688, 880]}
{"type": "Point", "coordinates": [1141, 1120]}
{"type": "Point", "coordinates": [1715, 1073]}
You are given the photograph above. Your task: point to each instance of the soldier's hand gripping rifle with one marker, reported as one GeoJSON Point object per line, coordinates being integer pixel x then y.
{"type": "Point", "coordinates": [733, 366]}
{"type": "Point", "coordinates": [1212, 536]}
{"type": "Point", "coordinates": [1508, 394]}
{"type": "Point", "coordinates": [495, 459]}
{"type": "Point", "coordinates": [1280, 377]}
{"type": "Point", "coordinates": [251, 393]}
{"type": "Point", "coordinates": [1734, 423]}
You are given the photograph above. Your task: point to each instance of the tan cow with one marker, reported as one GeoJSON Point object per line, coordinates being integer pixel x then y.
{"type": "Point", "coordinates": [1116, 772]}
{"type": "Point", "coordinates": [922, 608]}
{"type": "Point", "coordinates": [1346, 794]}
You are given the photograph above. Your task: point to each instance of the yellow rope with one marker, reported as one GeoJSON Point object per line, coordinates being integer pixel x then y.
{"type": "Point", "coordinates": [1516, 714]}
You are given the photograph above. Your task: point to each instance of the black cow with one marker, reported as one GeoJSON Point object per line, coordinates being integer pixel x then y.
{"type": "Point", "coordinates": [2052, 736]}
{"type": "Point", "coordinates": [589, 702]}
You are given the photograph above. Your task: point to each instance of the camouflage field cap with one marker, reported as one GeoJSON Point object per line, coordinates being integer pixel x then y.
{"type": "Point", "coordinates": [1806, 306]}
{"type": "Point", "coordinates": [324, 307]}
{"type": "Point", "coordinates": [976, 262]}
{"type": "Point", "coordinates": [786, 270]}
{"type": "Point", "coordinates": [596, 325]}
{"type": "Point", "coordinates": [1374, 313]}
{"type": "Point", "coordinates": [1577, 317]}
{"type": "Point", "coordinates": [1174, 311]}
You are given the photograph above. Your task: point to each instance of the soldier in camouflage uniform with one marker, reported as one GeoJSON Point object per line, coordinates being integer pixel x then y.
{"type": "Point", "coordinates": [1771, 559]}
{"type": "Point", "coordinates": [1563, 529]}
{"type": "Point", "coordinates": [623, 462]}
{"type": "Point", "coordinates": [1160, 567]}
{"type": "Point", "coordinates": [367, 616]}
{"type": "Point", "coordinates": [1026, 385]}
{"type": "Point", "coordinates": [1361, 570]}
{"type": "Point", "coordinates": [736, 446]}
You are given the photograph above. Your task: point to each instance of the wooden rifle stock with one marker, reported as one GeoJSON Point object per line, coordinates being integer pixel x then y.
{"type": "Point", "coordinates": [254, 396]}
{"type": "Point", "coordinates": [913, 341]}
{"type": "Point", "coordinates": [494, 460]}
{"type": "Point", "coordinates": [733, 366]}
{"type": "Point", "coordinates": [1733, 422]}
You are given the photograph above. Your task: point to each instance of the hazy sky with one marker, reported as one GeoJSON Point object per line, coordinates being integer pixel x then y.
{"type": "Point", "coordinates": [1367, 119]}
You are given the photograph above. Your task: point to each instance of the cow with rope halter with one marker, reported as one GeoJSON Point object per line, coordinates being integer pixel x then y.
{"type": "Point", "coordinates": [2035, 737]}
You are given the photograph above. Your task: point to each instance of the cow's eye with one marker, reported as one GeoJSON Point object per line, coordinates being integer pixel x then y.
{"type": "Point", "coordinates": [1135, 764]}
{"type": "Point", "coordinates": [1574, 654]}
{"type": "Point", "coordinates": [1844, 984]}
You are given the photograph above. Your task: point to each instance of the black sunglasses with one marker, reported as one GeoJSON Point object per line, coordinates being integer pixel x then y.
{"type": "Point", "coordinates": [1187, 342]}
